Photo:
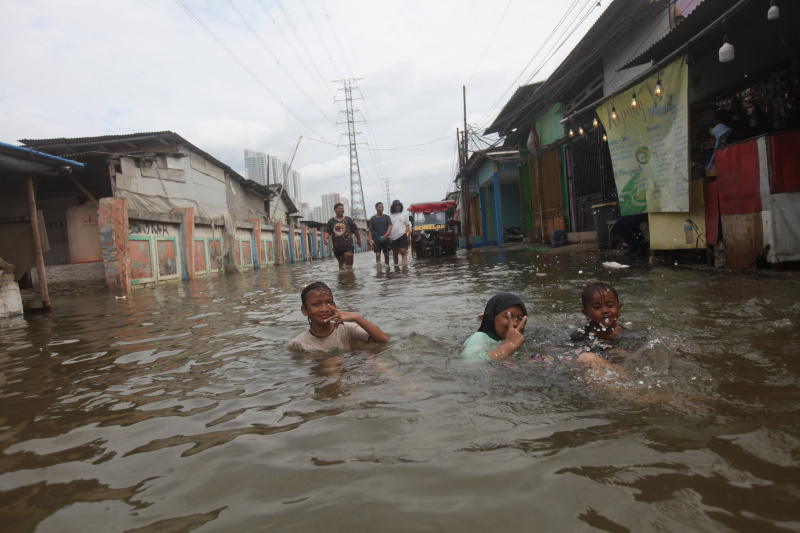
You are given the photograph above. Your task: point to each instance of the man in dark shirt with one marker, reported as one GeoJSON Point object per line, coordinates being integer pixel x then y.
{"type": "Point", "coordinates": [379, 227]}
{"type": "Point", "coordinates": [341, 229]}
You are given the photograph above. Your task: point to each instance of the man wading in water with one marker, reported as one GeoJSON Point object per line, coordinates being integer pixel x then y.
{"type": "Point", "coordinates": [341, 229]}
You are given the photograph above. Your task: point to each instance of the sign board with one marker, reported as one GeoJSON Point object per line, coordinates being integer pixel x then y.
{"type": "Point", "coordinates": [649, 142]}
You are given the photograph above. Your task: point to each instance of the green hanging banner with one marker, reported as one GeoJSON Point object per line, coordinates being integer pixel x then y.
{"type": "Point", "coordinates": [649, 142]}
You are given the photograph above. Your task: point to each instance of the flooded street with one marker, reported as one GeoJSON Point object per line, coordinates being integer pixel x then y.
{"type": "Point", "coordinates": [180, 409]}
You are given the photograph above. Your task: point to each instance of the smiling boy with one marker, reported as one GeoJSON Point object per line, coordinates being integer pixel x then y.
{"type": "Point", "coordinates": [331, 330]}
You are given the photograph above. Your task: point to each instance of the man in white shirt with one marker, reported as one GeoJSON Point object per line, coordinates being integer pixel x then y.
{"type": "Point", "coordinates": [398, 234]}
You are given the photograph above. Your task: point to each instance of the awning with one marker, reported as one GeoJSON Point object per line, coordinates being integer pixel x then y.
{"type": "Point", "coordinates": [431, 207]}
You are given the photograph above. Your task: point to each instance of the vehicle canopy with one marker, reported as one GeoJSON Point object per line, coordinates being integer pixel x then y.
{"type": "Point", "coordinates": [432, 207]}
{"type": "Point", "coordinates": [431, 215]}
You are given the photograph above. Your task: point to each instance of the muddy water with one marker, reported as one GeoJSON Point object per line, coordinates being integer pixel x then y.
{"type": "Point", "coordinates": [179, 408]}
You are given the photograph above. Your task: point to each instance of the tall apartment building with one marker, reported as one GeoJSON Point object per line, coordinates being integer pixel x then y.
{"type": "Point", "coordinates": [305, 211]}
{"type": "Point", "coordinates": [255, 166]}
{"type": "Point", "coordinates": [293, 186]}
{"type": "Point", "coordinates": [328, 201]}
{"type": "Point", "coordinates": [274, 169]}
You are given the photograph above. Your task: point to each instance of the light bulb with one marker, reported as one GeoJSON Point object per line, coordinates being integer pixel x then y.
{"type": "Point", "coordinates": [634, 103]}
{"type": "Point", "coordinates": [571, 133]}
{"type": "Point", "coordinates": [658, 87]}
{"type": "Point", "coordinates": [580, 130]}
{"type": "Point", "coordinates": [726, 52]}
{"type": "Point", "coordinates": [594, 122]}
{"type": "Point", "coordinates": [605, 138]}
{"type": "Point", "coordinates": [774, 12]}
{"type": "Point", "coordinates": [613, 113]}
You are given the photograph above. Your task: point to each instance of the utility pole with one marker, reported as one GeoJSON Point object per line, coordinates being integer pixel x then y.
{"type": "Point", "coordinates": [465, 181]}
{"type": "Point", "coordinates": [357, 207]}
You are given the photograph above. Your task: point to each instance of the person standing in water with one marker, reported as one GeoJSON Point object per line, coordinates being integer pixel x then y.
{"type": "Point", "coordinates": [341, 229]}
{"type": "Point", "coordinates": [399, 235]}
{"type": "Point", "coordinates": [379, 228]}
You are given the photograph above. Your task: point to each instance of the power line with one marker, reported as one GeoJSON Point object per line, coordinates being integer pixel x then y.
{"type": "Point", "coordinates": [299, 40]}
{"type": "Point", "coordinates": [255, 78]}
{"type": "Point", "coordinates": [321, 39]}
{"type": "Point", "coordinates": [264, 45]}
{"type": "Point", "coordinates": [490, 43]}
{"type": "Point", "coordinates": [321, 86]}
{"type": "Point", "coordinates": [335, 36]}
{"type": "Point", "coordinates": [514, 84]}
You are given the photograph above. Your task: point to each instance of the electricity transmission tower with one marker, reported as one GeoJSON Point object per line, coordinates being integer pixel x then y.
{"type": "Point", "coordinates": [357, 207]}
{"type": "Point", "coordinates": [387, 182]}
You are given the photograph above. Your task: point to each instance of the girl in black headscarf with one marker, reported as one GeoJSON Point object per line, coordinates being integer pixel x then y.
{"type": "Point", "coordinates": [501, 330]}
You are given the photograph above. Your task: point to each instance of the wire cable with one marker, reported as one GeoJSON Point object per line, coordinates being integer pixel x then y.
{"type": "Point", "coordinates": [250, 73]}
{"type": "Point", "coordinates": [490, 43]}
{"type": "Point", "coordinates": [277, 62]}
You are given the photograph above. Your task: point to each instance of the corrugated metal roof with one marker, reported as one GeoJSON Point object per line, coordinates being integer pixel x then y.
{"type": "Point", "coordinates": [517, 100]}
{"type": "Point", "coordinates": [613, 24]}
{"type": "Point", "coordinates": [699, 19]}
{"type": "Point", "coordinates": [74, 142]}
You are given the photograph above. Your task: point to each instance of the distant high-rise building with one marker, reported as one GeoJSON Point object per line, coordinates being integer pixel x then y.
{"type": "Point", "coordinates": [305, 211]}
{"type": "Point", "coordinates": [317, 214]}
{"type": "Point", "coordinates": [328, 201]}
{"type": "Point", "coordinates": [275, 169]}
{"type": "Point", "coordinates": [294, 186]}
{"type": "Point", "coordinates": [255, 166]}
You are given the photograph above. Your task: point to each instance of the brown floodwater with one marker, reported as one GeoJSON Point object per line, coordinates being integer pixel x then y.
{"type": "Point", "coordinates": [180, 409]}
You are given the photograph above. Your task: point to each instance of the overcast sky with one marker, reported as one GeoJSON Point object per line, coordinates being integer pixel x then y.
{"type": "Point", "coordinates": [234, 74]}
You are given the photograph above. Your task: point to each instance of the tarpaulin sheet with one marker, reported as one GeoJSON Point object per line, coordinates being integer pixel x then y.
{"type": "Point", "coordinates": [738, 179]}
{"type": "Point", "coordinates": [159, 204]}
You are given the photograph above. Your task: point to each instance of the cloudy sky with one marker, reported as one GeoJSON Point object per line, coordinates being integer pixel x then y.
{"type": "Point", "coordinates": [234, 74]}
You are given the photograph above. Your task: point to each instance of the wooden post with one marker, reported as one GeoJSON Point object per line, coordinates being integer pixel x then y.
{"type": "Point", "coordinates": [305, 243]}
{"type": "Point", "coordinates": [277, 241]}
{"type": "Point", "coordinates": [37, 244]}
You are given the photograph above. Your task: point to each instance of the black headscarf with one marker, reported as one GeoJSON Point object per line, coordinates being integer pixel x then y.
{"type": "Point", "coordinates": [496, 305]}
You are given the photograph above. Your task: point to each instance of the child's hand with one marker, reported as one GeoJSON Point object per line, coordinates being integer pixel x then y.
{"type": "Point", "coordinates": [342, 316]}
{"type": "Point", "coordinates": [515, 333]}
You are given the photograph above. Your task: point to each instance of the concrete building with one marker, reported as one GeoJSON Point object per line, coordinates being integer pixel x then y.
{"type": "Point", "coordinates": [274, 169]}
{"type": "Point", "coordinates": [142, 209]}
{"type": "Point", "coordinates": [255, 166]}
{"type": "Point", "coordinates": [295, 192]}
{"type": "Point", "coordinates": [24, 236]}
{"type": "Point", "coordinates": [328, 201]}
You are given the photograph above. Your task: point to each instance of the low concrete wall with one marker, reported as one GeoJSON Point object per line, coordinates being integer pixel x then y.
{"type": "Point", "coordinates": [73, 278]}
{"type": "Point", "coordinates": [581, 236]}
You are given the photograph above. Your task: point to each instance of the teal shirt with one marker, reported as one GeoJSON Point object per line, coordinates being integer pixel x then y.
{"type": "Point", "coordinates": [478, 346]}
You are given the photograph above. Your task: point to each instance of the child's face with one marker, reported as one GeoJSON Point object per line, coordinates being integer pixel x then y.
{"type": "Point", "coordinates": [319, 307]}
{"type": "Point", "coordinates": [603, 309]}
{"type": "Point", "coordinates": [506, 319]}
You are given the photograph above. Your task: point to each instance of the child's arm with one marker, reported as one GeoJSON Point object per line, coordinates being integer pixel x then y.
{"type": "Point", "coordinates": [375, 333]}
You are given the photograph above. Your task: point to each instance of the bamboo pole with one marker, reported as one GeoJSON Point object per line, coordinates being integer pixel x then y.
{"type": "Point", "coordinates": [37, 244]}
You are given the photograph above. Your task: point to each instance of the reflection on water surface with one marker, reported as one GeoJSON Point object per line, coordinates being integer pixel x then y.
{"type": "Point", "coordinates": [180, 408]}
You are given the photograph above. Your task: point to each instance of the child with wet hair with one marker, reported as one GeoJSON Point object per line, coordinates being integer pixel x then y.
{"type": "Point", "coordinates": [604, 335]}
{"type": "Point", "coordinates": [501, 331]}
{"type": "Point", "coordinates": [331, 330]}
{"type": "Point", "coordinates": [602, 308]}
